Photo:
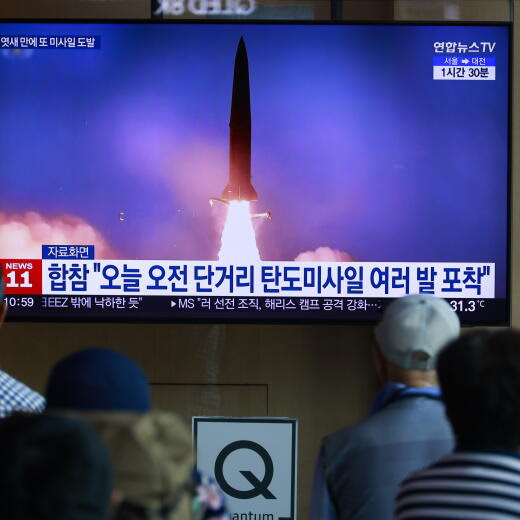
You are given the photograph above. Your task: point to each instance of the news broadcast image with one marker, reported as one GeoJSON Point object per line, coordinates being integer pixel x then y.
{"type": "Point", "coordinates": [163, 171]}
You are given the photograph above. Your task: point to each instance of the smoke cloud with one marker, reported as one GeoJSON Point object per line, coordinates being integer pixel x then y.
{"type": "Point", "coordinates": [22, 236]}
{"type": "Point", "coordinates": [324, 254]}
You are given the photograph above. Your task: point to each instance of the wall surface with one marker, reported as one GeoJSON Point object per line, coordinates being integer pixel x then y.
{"type": "Point", "coordinates": [75, 9]}
{"type": "Point", "coordinates": [318, 374]}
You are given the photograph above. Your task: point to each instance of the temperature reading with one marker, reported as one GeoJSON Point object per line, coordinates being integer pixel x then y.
{"type": "Point", "coordinates": [467, 305]}
{"type": "Point", "coordinates": [456, 305]}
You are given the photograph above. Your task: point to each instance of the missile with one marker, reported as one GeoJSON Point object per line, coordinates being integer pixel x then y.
{"type": "Point", "coordinates": [239, 185]}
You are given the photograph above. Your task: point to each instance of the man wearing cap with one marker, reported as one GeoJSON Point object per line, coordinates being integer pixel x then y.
{"type": "Point", "coordinates": [14, 395]}
{"type": "Point", "coordinates": [360, 467]}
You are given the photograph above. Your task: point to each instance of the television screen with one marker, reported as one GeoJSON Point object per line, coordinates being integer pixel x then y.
{"type": "Point", "coordinates": [253, 172]}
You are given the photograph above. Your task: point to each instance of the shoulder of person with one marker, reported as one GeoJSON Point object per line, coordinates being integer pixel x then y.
{"type": "Point", "coordinates": [355, 435]}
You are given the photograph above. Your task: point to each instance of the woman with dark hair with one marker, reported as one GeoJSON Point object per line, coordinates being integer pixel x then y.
{"type": "Point", "coordinates": [479, 376]}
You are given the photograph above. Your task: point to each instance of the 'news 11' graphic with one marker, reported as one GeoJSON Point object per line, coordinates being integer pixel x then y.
{"type": "Point", "coordinates": [293, 188]}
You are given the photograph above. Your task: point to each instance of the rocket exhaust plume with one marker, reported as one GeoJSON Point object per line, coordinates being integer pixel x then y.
{"type": "Point", "coordinates": [238, 237]}
{"type": "Point", "coordinates": [238, 242]}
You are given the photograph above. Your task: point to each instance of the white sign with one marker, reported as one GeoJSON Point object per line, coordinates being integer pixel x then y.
{"type": "Point", "coordinates": [253, 461]}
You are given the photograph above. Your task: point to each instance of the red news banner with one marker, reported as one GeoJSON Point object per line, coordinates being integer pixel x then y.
{"type": "Point", "coordinates": [22, 276]}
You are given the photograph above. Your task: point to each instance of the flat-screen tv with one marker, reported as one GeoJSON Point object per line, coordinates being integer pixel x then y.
{"type": "Point", "coordinates": [253, 172]}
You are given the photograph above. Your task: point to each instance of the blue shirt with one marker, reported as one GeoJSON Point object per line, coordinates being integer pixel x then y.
{"type": "Point", "coordinates": [15, 396]}
{"type": "Point", "coordinates": [360, 467]}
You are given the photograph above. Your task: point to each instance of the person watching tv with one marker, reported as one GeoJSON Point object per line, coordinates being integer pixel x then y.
{"type": "Point", "coordinates": [14, 395]}
{"type": "Point", "coordinates": [479, 376]}
{"type": "Point", "coordinates": [360, 467]}
{"type": "Point", "coordinates": [151, 451]}
{"type": "Point", "coordinates": [53, 468]}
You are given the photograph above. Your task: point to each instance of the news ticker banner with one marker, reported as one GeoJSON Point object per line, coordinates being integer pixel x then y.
{"type": "Point", "coordinates": [210, 278]}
